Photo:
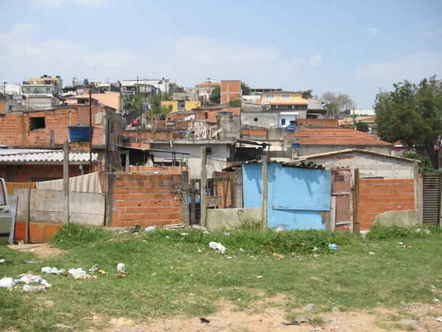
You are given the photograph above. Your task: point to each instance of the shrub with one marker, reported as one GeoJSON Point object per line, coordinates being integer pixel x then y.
{"type": "Point", "coordinates": [396, 232]}
{"type": "Point", "coordinates": [71, 235]}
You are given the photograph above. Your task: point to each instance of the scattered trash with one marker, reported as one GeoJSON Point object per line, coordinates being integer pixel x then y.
{"type": "Point", "coordinates": [297, 321]}
{"type": "Point", "coordinates": [94, 268]}
{"type": "Point", "coordinates": [315, 249]}
{"type": "Point", "coordinates": [150, 228]}
{"type": "Point", "coordinates": [7, 283]}
{"type": "Point", "coordinates": [121, 268]}
{"type": "Point", "coordinates": [31, 262]}
{"type": "Point", "coordinates": [63, 326]}
{"type": "Point", "coordinates": [333, 246]}
{"type": "Point", "coordinates": [217, 246]}
{"type": "Point", "coordinates": [200, 251]}
{"type": "Point", "coordinates": [439, 319]}
{"type": "Point", "coordinates": [310, 307]}
{"type": "Point", "coordinates": [2, 261]}
{"type": "Point", "coordinates": [259, 277]}
{"type": "Point", "coordinates": [204, 320]}
{"type": "Point", "coordinates": [278, 256]}
{"type": "Point", "coordinates": [29, 278]}
{"type": "Point", "coordinates": [184, 234]}
{"type": "Point", "coordinates": [371, 253]}
{"type": "Point", "coordinates": [435, 300]}
{"type": "Point", "coordinates": [52, 270]}
{"type": "Point", "coordinates": [407, 246]}
{"type": "Point", "coordinates": [401, 243]}
{"type": "Point", "coordinates": [79, 273]}
{"type": "Point", "coordinates": [229, 257]}
{"type": "Point", "coordinates": [34, 289]}
{"type": "Point", "coordinates": [226, 233]}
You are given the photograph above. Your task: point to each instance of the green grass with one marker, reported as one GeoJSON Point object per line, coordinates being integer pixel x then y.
{"type": "Point", "coordinates": [170, 273]}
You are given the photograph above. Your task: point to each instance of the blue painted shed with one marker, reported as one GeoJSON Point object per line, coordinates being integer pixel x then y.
{"type": "Point", "coordinates": [296, 196]}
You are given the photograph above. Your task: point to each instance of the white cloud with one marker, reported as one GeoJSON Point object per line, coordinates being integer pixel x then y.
{"type": "Point", "coordinates": [411, 67]}
{"type": "Point", "coordinates": [187, 60]}
{"type": "Point", "coordinates": [63, 3]}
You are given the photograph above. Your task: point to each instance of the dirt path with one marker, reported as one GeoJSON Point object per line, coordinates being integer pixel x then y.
{"type": "Point", "coordinates": [418, 318]}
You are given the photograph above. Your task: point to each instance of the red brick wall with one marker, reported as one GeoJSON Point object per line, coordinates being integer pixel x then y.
{"type": "Point", "coordinates": [380, 195]}
{"type": "Point", "coordinates": [28, 173]}
{"type": "Point", "coordinates": [230, 90]}
{"type": "Point", "coordinates": [146, 200]}
{"type": "Point", "coordinates": [157, 170]}
{"type": "Point", "coordinates": [15, 127]}
{"type": "Point", "coordinates": [254, 133]}
{"type": "Point", "coordinates": [328, 123]}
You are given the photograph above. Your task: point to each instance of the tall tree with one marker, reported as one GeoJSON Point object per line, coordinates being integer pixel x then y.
{"type": "Point", "coordinates": [245, 89]}
{"type": "Point", "coordinates": [336, 103]}
{"type": "Point", "coordinates": [215, 96]}
{"type": "Point", "coordinates": [412, 113]}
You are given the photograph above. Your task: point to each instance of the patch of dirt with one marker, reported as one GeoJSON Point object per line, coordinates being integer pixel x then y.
{"type": "Point", "coordinates": [41, 250]}
{"type": "Point", "coordinates": [272, 319]}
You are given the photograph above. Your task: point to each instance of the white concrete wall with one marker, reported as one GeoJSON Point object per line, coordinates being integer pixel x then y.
{"type": "Point", "coordinates": [263, 120]}
{"type": "Point", "coordinates": [49, 206]}
{"type": "Point", "coordinates": [370, 165]}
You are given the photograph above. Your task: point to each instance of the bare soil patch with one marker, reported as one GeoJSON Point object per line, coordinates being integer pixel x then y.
{"type": "Point", "coordinates": [41, 250]}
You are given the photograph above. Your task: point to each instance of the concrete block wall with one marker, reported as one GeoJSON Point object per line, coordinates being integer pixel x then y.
{"type": "Point", "coordinates": [377, 196]}
{"type": "Point", "coordinates": [147, 200]}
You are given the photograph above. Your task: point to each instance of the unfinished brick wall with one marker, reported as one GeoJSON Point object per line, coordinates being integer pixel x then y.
{"type": "Point", "coordinates": [171, 170]}
{"type": "Point", "coordinates": [380, 195]}
{"type": "Point", "coordinates": [326, 123]}
{"type": "Point", "coordinates": [230, 90]}
{"type": "Point", "coordinates": [15, 128]}
{"type": "Point", "coordinates": [253, 133]}
{"type": "Point", "coordinates": [146, 200]}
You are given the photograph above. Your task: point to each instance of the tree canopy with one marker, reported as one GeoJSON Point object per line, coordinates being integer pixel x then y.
{"type": "Point", "coordinates": [245, 89]}
{"type": "Point", "coordinates": [412, 113]}
{"type": "Point", "coordinates": [215, 96]}
{"type": "Point", "coordinates": [336, 103]}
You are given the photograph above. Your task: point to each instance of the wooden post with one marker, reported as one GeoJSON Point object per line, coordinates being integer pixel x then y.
{"type": "Point", "coordinates": [203, 186]}
{"type": "Point", "coordinates": [192, 193]}
{"type": "Point", "coordinates": [66, 180]}
{"type": "Point", "coordinates": [356, 226]}
{"type": "Point", "coordinates": [264, 188]}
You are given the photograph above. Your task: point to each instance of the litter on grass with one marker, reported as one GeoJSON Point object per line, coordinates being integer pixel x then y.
{"type": "Point", "coordinates": [7, 283]}
{"type": "Point", "coordinates": [121, 268]}
{"type": "Point", "coordinates": [52, 270]}
{"type": "Point", "coordinates": [79, 273]}
{"type": "Point", "coordinates": [217, 246]}
{"type": "Point", "coordinates": [29, 278]}
{"type": "Point", "coordinates": [150, 229]}
{"type": "Point", "coordinates": [333, 246]}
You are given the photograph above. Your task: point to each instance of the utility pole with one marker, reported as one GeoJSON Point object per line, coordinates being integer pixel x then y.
{"type": "Point", "coordinates": [90, 128]}
{"type": "Point", "coordinates": [66, 181]}
{"type": "Point", "coordinates": [203, 186]}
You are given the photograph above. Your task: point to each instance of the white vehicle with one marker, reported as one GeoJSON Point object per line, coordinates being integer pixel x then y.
{"type": "Point", "coordinates": [5, 215]}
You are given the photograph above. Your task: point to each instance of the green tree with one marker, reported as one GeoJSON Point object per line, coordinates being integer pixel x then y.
{"type": "Point", "coordinates": [235, 103]}
{"type": "Point", "coordinates": [362, 126]}
{"type": "Point", "coordinates": [307, 94]}
{"type": "Point", "coordinates": [412, 113]}
{"type": "Point", "coordinates": [157, 111]}
{"type": "Point", "coordinates": [336, 103]}
{"type": "Point", "coordinates": [215, 96]}
{"type": "Point", "coordinates": [133, 103]}
{"type": "Point", "coordinates": [245, 89]}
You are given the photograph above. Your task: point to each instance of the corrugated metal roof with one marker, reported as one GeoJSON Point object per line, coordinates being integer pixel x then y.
{"type": "Point", "coordinates": [42, 156]}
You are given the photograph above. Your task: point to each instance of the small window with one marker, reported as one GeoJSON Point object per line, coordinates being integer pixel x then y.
{"type": "Point", "coordinates": [2, 195]}
{"type": "Point", "coordinates": [282, 122]}
{"type": "Point", "coordinates": [255, 119]}
{"type": "Point", "coordinates": [37, 123]}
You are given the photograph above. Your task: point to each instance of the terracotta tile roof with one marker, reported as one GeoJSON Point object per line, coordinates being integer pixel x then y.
{"type": "Point", "coordinates": [336, 136]}
{"type": "Point", "coordinates": [208, 84]}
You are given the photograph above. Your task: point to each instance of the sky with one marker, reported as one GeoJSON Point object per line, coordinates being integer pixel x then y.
{"type": "Point", "coordinates": [344, 46]}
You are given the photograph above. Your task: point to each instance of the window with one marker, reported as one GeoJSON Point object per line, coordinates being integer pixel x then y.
{"type": "Point", "coordinates": [282, 122]}
{"type": "Point", "coordinates": [255, 119]}
{"type": "Point", "coordinates": [37, 123]}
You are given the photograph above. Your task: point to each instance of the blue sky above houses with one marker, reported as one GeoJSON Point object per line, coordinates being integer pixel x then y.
{"type": "Point", "coordinates": [354, 47]}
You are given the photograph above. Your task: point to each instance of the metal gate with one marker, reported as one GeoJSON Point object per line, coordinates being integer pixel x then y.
{"type": "Point", "coordinates": [342, 199]}
{"type": "Point", "coordinates": [431, 198]}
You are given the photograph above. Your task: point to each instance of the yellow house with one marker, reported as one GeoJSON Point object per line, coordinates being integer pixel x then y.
{"type": "Point", "coordinates": [182, 105]}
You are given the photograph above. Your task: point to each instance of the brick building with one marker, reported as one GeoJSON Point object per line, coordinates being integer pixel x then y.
{"type": "Point", "coordinates": [230, 90]}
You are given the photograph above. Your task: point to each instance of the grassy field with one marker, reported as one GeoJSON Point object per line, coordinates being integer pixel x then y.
{"type": "Point", "coordinates": [175, 272]}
